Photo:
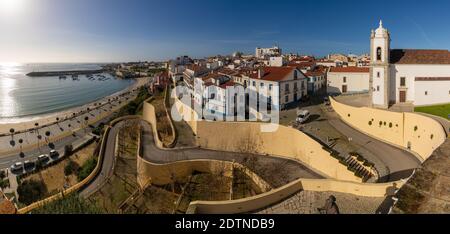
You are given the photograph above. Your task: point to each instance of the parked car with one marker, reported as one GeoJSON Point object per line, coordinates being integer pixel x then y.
{"type": "Point", "coordinates": [29, 165]}
{"type": "Point", "coordinates": [303, 116]}
{"type": "Point", "coordinates": [18, 166]}
{"type": "Point", "coordinates": [43, 158]}
{"type": "Point", "coordinates": [54, 154]}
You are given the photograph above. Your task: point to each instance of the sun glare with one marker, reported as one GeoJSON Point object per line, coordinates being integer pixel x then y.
{"type": "Point", "coordinates": [11, 6]}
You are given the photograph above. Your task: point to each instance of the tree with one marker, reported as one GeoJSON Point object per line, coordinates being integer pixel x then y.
{"type": "Point", "coordinates": [30, 191]}
{"type": "Point", "coordinates": [70, 168]}
{"type": "Point", "coordinates": [47, 134]}
{"type": "Point", "coordinates": [21, 142]}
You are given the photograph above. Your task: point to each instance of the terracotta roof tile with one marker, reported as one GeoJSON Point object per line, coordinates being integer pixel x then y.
{"type": "Point", "coordinates": [409, 56]}
{"type": "Point", "coordinates": [273, 73]}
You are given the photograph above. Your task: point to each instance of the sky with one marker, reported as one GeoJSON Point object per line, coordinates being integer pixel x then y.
{"type": "Point", "coordinates": [66, 31]}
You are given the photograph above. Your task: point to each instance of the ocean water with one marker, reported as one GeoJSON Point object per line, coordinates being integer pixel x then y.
{"type": "Point", "coordinates": [22, 96]}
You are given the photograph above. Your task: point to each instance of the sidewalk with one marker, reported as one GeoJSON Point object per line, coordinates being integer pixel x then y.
{"type": "Point", "coordinates": [12, 184]}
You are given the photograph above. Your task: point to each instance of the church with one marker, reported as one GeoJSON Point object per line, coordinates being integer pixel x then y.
{"type": "Point", "coordinates": [407, 76]}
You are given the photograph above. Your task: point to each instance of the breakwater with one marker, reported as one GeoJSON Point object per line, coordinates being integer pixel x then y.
{"type": "Point", "coordinates": [64, 73]}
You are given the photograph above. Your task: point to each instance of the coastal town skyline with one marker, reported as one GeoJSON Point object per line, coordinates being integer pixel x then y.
{"type": "Point", "coordinates": [81, 31]}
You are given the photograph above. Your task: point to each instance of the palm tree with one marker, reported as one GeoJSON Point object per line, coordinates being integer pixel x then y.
{"type": "Point", "coordinates": [12, 133]}
{"type": "Point", "coordinates": [86, 122]}
{"type": "Point", "coordinates": [47, 134]}
{"type": "Point", "coordinates": [20, 142]}
{"type": "Point", "coordinates": [39, 137]}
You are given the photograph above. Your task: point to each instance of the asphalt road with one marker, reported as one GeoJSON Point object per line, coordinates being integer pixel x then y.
{"type": "Point", "coordinates": [6, 160]}
{"type": "Point", "coordinates": [291, 169]}
{"type": "Point", "coordinates": [400, 162]}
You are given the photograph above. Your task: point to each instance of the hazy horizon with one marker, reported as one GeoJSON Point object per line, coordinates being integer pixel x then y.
{"type": "Point", "coordinates": [105, 31]}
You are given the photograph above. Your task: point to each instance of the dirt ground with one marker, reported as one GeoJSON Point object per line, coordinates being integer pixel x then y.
{"type": "Point", "coordinates": [54, 178]}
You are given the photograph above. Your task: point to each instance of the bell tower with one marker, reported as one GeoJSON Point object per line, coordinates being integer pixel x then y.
{"type": "Point", "coordinates": [380, 41]}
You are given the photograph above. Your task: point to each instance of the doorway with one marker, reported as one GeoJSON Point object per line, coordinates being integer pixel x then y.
{"type": "Point", "coordinates": [402, 96]}
{"type": "Point", "coordinates": [344, 88]}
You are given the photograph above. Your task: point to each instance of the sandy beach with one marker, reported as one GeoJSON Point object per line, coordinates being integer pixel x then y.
{"type": "Point", "coordinates": [22, 124]}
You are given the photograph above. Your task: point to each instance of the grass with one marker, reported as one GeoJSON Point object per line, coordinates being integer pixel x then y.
{"type": "Point", "coordinates": [438, 110]}
{"type": "Point", "coordinates": [72, 204]}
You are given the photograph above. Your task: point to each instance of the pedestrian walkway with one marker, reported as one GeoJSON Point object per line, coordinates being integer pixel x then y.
{"type": "Point", "coordinates": [12, 184]}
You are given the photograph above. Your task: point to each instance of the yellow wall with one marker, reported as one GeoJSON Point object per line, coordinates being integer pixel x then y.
{"type": "Point", "coordinates": [162, 174]}
{"type": "Point", "coordinates": [402, 130]}
{"type": "Point", "coordinates": [285, 142]}
{"type": "Point", "coordinates": [274, 196]}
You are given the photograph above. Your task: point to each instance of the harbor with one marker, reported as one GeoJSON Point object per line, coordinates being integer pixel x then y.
{"type": "Point", "coordinates": [64, 73]}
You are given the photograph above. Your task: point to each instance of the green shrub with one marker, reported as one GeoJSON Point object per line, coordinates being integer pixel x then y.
{"type": "Point", "coordinates": [70, 168]}
{"type": "Point", "coordinates": [71, 204]}
{"type": "Point", "coordinates": [87, 168]}
{"type": "Point", "coordinates": [31, 191]}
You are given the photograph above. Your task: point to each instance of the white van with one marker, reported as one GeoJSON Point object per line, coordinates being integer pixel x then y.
{"type": "Point", "coordinates": [302, 116]}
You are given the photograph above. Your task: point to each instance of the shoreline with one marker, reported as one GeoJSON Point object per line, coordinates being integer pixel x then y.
{"type": "Point", "coordinates": [27, 122]}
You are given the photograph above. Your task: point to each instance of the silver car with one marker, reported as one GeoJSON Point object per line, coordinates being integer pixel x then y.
{"type": "Point", "coordinates": [17, 166]}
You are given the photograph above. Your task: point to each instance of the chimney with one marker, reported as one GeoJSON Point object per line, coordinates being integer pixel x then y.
{"type": "Point", "coordinates": [260, 72]}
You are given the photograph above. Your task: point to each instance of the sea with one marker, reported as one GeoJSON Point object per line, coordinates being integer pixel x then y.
{"type": "Point", "coordinates": [24, 97]}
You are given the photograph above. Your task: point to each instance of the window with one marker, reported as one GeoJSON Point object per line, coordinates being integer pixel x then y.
{"type": "Point", "coordinates": [254, 83]}
{"type": "Point", "coordinates": [378, 88]}
{"type": "Point", "coordinates": [378, 74]}
{"type": "Point", "coordinates": [213, 95]}
{"type": "Point", "coordinates": [261, 85]}
{"type": "Point", "coordinates": [402, 81]}
{"type": "Point", "coordinates": [426, 92]}
{"type": "Point", "coordinates": [286, 99]}
{"type": "Point", "coordinates": [270, 86]}
{"type": "Point", "coordinates": [295, 75]}
{"type": "Point", "coordinates": [295, 86]}
{"type": "Point", "coordinates": [345, 79]}
{"type": "Point", "coordinates": [287, 87]}
{"type": "Point", "coordinates": [379, 54]}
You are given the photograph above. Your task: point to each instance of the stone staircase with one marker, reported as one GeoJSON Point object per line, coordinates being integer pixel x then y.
{"type": "Point", "coordinates": [362, 168]}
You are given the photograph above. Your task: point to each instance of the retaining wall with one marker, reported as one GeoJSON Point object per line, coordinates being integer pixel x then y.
{"type": "Point", "coordinates": [419, 134]}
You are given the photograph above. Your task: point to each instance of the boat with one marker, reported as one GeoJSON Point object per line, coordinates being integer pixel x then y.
{"type": "Point", "coordinates": [62, 77]}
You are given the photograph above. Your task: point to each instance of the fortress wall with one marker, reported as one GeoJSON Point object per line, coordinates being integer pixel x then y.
{"type": "Point", "coordinates": [264, 200]}
{"type": "Point", "coordinates": [396, 128]}
{"type": "Point", "coordinates": [248, 137]}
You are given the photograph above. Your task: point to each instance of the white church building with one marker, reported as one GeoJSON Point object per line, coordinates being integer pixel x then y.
{"type": "Point", "coordinates": [418, 77]}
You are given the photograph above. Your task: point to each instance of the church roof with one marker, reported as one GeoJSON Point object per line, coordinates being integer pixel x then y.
{"type": "Point", "coordinates": [350, 69]}
{"type": "Point", "coordinates": [411, 56]}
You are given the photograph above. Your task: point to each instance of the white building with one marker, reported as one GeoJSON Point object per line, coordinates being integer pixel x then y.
{"type": "Point", "coordinates": [418, 77]}
{"type": "Point", "coordinates": [212, 95]}
{"type": "Point", "coordinates": [285, 85]}
{"type": "Point", "coordinates": [348, 80]}
{"type": "Point", "coordinates": [277, 61]}
{"type": "Point", "coordinates": [262, 53]}
{"type": "Point", "coordinates": [316, 80]}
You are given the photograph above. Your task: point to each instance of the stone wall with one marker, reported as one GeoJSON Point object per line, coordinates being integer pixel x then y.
{"type": "Point", "coordinates": [285, 142]}
{"type": "Point", "coordinates": [420, 134]}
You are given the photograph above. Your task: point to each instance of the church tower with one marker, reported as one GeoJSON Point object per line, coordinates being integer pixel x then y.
{"type": "Point", "coordinates": [380, 41]}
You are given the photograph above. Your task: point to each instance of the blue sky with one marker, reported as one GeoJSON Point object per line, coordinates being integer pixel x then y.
{"type": "Point", "coordinates": [130, 30]}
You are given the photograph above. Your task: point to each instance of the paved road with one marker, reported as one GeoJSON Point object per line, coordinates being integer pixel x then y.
{"type": "Point", "coordinates": [290, 171]}
{"type": "Point", "coordinates": [400, 162]}
{"type": "Point", "coordinates": [6, 160]}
